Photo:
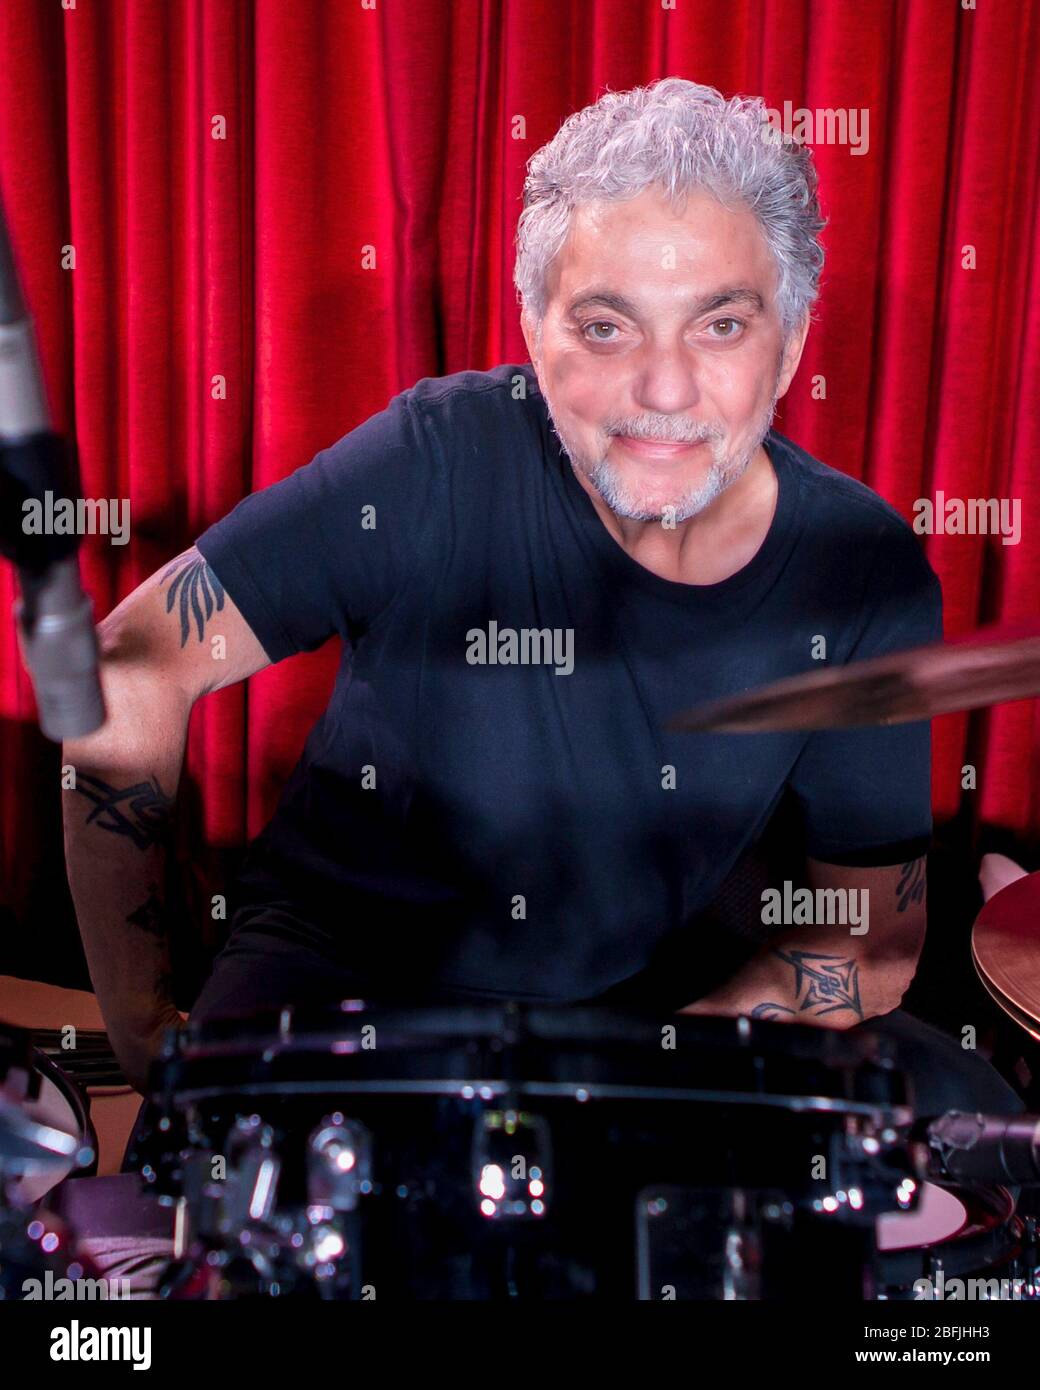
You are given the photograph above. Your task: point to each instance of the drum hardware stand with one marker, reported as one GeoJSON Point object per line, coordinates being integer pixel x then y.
{"type": "Point", "coordinates": [989, 1148]}
{"type": "Point", "coordinates": [743, 1256]}
{"type": "Point", "coordinates": [339, 1174]}
{"type": "Point", "coordinates": [511, 1169]}
{"type": "Point", "coordinates": [503, 1142]}
{"type": "Point", "coordinates": [246, 1245]}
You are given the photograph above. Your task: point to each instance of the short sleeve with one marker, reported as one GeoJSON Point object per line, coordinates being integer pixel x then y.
{"type": "Point", "coordinates": [329, 547]}
{"type": "Point", "coordinates": [865, 792]}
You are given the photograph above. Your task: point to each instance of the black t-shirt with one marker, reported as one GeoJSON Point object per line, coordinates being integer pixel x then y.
{"type": "Point", "coordinates": [525, 827]}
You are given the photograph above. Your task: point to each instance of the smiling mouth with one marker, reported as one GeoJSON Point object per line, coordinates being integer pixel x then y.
{"type": "Point", "coordinates": [656, 448]}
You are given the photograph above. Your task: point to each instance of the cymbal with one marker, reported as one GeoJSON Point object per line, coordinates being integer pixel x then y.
{"type": "Point", "coordinates": [968, 672]}
{"type": "Point", "coordinates": [1005, 947]}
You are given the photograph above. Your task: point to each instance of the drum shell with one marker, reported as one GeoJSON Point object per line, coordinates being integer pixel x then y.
{"type": "Point", "coordinates": [628, 1119]}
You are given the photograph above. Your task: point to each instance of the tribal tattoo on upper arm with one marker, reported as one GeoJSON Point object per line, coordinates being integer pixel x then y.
{"type": "Point", "coordinates": [148, 814]}
{"type": "Point", "coordinates": [822, 985]}
{"type": "Point", "coordinates": [195, 589]}
{"type": "Point", "coordinates": [911, 886]}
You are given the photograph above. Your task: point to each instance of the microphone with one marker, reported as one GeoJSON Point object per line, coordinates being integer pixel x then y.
{"type": "Point", "coordinates": [54, 617]}
{"type": "Point", "coordinates": [986, 1148]}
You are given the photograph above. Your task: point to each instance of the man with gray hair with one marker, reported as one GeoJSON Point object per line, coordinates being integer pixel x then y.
{"type": "Point", "coordinates": [470, 822]}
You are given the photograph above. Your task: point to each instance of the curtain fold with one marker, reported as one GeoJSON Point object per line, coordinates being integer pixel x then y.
{"type": "Point", "coordinates": [284, 213]}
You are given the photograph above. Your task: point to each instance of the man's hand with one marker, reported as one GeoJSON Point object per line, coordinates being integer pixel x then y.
{"type": "Point", "coordinates": [832, 973]}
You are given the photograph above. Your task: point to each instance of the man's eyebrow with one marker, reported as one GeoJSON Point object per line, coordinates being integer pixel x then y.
{"type": "Point", "coordinates": [732, 294]}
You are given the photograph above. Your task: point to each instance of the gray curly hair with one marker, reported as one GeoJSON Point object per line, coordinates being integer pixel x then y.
{"type": "Point", "coordinates": [680, 135]}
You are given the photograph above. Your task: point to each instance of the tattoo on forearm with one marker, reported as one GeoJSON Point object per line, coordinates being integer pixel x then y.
{"type": "Point", "coordinates": [148, 815]}
{"type": "Point", "coordinates": [149, 916]}
{"type": "Point", "coordinates": [196, 590]}
{"type": "Point", "coordinates": [822, 985]}
{"type": "Point", "coordinates": [912, 879]}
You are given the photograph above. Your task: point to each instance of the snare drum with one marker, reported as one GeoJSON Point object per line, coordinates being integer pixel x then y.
{"type": "Point", "coordinates": [483, 1152]}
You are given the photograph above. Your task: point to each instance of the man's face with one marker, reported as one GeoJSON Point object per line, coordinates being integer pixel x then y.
{"type": "Point", "coordinates": [662, 354]}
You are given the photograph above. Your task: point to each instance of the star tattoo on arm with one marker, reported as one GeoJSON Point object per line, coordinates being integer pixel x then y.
{"type": "Point", "coordinates": [195, 589]}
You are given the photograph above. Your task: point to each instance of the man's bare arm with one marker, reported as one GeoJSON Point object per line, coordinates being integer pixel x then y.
{"type": "Point", "coordinates": [158, 656]}
{"type": "Point", "coordinates": [827, 974]}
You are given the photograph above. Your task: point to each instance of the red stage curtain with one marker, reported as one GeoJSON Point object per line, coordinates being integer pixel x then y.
{"type": "Point", "coordinates": [404, 126]}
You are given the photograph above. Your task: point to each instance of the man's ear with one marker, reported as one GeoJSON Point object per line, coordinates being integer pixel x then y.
{"type": "Point", "coordinates": [792, 355]}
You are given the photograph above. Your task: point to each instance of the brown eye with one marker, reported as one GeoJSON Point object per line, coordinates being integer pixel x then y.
{"type": "Point", "coordinates": [599, 323]}
{"type": "Point", "coordinates": [733, 325]}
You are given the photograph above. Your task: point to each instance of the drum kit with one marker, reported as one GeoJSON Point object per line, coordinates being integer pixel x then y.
{"type": "Point", "coordinates": [507, 1150]}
